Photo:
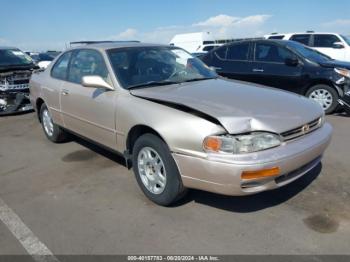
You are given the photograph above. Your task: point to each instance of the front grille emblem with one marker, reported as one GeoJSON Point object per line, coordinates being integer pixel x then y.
{"type": "Point", "coordinates": [305, 129]}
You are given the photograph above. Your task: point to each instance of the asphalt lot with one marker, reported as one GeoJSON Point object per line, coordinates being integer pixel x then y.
{"type": "Point", "coordinates": [79, 199]}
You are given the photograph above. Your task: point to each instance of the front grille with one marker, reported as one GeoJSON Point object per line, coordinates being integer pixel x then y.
{"type": "Point", "coordinates": [15, 80]}
{"type": "Point", "coordinates": [302, 130]}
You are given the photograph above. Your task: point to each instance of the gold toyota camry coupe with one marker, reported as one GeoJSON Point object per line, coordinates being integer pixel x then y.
{"type": "Point", "coordinates": [176, 122]}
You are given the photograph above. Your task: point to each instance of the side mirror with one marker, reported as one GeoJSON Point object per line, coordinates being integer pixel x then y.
{"type": "Point", "coordinates": [291, 61]}
{"type": "Point", "coordinates": [95, 82]}
{"type": "Point", "coordinates": [338, 45]}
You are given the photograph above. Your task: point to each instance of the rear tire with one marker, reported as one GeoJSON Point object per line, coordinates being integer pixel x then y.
{"type": "Point", "coordinates": [156, 171]}
{"type": "Point", "coordinates": [52, 131]}
{"type": "Point", "coordinates": [325, 95]}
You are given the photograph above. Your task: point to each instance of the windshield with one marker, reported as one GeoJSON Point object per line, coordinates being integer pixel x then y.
{"type": "Point", "coordinates": [140, 66]}
{"type": "Point", "coordinates": [346, 39]}
{"type": "Point", "coordinates": [14, 57]}
{"type": "Point", "coordinates": [308, 53]}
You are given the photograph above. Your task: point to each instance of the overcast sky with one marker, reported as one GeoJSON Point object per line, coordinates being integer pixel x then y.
{"type": "Point", "coordinates": [50, 24]}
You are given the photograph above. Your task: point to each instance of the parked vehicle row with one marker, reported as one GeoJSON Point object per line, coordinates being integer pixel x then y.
{"type": "Point", "coordinates": [43, 59]}
{"type": "Point", "coordinates": [176, 122]}
{"type": "Point", "coordinates": [334, 45]}
{"type": "Point", "coordinates": [195, 43]}
{"type": "Point", "coordinates": [287, 65]}
{"type": "Point", "coordinates": [16, 69]}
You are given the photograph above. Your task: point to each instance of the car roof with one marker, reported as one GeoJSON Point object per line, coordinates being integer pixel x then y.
{"type": "Point", "coordinates": [113, 45]}
{"type": "Point", "coordinates": [278, 41]}
{"type": "Point", "coordinates": [7, 47]}
{"type": "Point", "coordinates": [302, 33]}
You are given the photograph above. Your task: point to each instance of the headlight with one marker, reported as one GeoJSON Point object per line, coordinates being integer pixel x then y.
{"type": "Point", "coordinates": [240, 144]}
{"type": "Point", "coordinates": [342, 72]}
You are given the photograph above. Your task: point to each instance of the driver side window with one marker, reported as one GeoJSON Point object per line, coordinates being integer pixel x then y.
{"type": "Point", "coordinates": [86, 63]}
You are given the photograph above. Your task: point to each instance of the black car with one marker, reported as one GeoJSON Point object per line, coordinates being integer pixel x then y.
{"type": "Point", "coordinates": [284, 64]}
{"type": "Point", "coordinates": [15, 71]}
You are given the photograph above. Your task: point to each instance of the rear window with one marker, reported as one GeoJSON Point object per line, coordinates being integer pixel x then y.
{"type": "Point", "coordinates": [277, 37]}
{"type": "Point", "coordinates": [304, 39]}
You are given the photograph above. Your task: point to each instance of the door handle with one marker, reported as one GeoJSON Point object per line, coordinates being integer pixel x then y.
{"type": "Point", "coordinates": [65, 92]}
{"type": "Point", "coordinates": [258, 70]}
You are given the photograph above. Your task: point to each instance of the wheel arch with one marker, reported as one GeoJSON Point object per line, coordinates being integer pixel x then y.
{"type": "Point", "coordinates": [134, 133]}
{"type": "Point", "coordinates": [323, 82]}
{"type": "Point", "coordinates": [38, 103]}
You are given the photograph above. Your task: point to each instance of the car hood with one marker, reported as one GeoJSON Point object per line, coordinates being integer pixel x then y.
{"type": "Point", "coordinates": [9, 68]}
{"type": "Point", "coordinates": [239, 107]}
{"type": "Point", "coordinates": [335, 63]}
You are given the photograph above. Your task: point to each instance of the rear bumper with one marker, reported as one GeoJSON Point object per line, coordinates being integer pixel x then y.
{"type": "Point", "coordinates": [223, 174]}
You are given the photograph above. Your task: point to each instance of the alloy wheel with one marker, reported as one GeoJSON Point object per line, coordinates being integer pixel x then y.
{"type": "Point", "coordinates": [151, 170]}
{"type": "Point", "coordinates": [47, 122]}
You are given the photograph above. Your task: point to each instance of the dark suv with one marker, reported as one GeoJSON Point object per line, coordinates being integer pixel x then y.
{"type": "Point", "coordinates": [284, 64]}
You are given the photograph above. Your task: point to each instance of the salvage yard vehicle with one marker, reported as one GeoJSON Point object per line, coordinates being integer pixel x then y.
{"type": "Point", "coordinates": [287, 65]}
{"type": "Point", "coordinates": [333, 45]}
{"type": "Point", "coordinates": [200, 42]}
{"type": "Point", "coordinates": [176, 122]}
{"type": "Point", "coordinates": [15, 70]}
{"type": "Point", "coordinates": [42, 59]}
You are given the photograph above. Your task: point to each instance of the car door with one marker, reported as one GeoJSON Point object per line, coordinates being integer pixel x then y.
{"type": "Point", "coordinates": [88, 111]}
{"type": "Point", "coordinates": [270, 67]}
{"type": "Point", "coordinates": [232, 61]}
{"type": "Point", "coordinates": [324, 43]}
{"type": "Point", "coordinates": [52, 88]}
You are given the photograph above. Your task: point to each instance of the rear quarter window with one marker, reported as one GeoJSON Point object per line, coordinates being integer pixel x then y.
{"type": "Point", "coordinates": [277, 37]}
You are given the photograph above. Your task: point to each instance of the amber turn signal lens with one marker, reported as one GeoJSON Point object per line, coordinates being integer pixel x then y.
{"type": "Point", "coordinates": [212, 144]}
{"type": "Point", "coordinates": [275, 171]}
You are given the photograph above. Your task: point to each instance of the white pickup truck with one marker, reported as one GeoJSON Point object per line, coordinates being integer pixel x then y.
{"type": "Point", "coordinates": [334, 45]}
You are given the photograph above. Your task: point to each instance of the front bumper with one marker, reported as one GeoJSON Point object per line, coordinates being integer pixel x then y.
{"type": "Point", "coordinates": [223, 174]}
{"type": "Point", "coordinates": [345, 101]}
{"type": "Point", "coordinates": [14, 101]}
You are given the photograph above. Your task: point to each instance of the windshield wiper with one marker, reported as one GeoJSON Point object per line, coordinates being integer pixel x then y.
{"type": "Point", "coordinates": [199, 79]}
{"type": "Point", "coordinates": [152, 83]}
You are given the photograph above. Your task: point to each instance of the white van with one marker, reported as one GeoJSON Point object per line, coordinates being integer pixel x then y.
{"type": "Point", "coordinates": [334, 45]}
{"type": "Point", "coordinates": [201, 42]}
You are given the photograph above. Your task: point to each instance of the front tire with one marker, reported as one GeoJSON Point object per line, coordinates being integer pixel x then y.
{"type": "Point", "coordinates": [156, 171]}
{"type": "Point", "coordinates": [325, 95]}
{"type": "Point", "coordinates": [52, 131]}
